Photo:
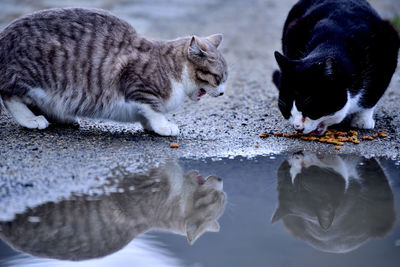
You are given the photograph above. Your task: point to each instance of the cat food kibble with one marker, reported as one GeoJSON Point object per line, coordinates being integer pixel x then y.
{"type": "Point", "coordinates": [332, 136]}
{"type": "Point", "coordinates": [174, 145]}
{"type": "Point", "coordinates": [382, 134]}
{"type": "Point", "coordinates": [367, 138]}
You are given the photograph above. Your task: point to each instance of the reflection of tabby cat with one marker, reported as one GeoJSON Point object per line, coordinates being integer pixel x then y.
{"type": "Point", "coordinates": [334, 203]}
{"type": "Point", "coordinates": [91, 227]}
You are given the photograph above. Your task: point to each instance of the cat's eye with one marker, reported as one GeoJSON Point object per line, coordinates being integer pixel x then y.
{"type": "Point", "coordinates": [218, 80]}
{"type": "Point", "coordinates": [307, 101]}
{"type": "Point", "coordinates": [212, 59]}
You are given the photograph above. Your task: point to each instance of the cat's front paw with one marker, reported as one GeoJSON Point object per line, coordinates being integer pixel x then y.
{"type": "Point", "coordinates": [166, 129]}
{"type": "Point", "coordinates": [36, 122]}
{"type": "Point", "coordinates": [363, 121]}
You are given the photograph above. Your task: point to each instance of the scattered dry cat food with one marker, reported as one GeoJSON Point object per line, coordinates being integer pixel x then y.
{"type": "Point", "coordinates": [382, 134]}
{"type": "Point", "coordinates": [353, 132]}
{"type": "Point", "coordinates": [256, 146]}
{"type": "Point", "coordinates": [295, 134]}
{"type": "Point", "coordinates": [332, 136]}
{"type": "Point", "coordinates": [174, 145]}
{"type": "Point", "coordinates": [367, 138]}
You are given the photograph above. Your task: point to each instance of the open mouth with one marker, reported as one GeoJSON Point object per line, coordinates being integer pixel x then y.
{"type": "Point", "coordinates": [200, 179]}
{"type": "Point", "coordinates": [201, 93]}
{"type": "Point", "coordinates": [320, 129]}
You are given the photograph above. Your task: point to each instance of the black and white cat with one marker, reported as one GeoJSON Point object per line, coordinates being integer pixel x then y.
{"type": "Point", "coordinates": [339, 58]}
{"type": "Point", "coordinates": [334, 203]}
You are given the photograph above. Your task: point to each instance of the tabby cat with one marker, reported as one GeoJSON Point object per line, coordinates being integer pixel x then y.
{"type": "Point", "coordinates": [59, 64]}
{"type": "Point", "coordinates": [86, 227]}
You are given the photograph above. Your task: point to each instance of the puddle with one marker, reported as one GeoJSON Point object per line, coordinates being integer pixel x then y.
{"type": "Point", "coordinates": [283, 210]}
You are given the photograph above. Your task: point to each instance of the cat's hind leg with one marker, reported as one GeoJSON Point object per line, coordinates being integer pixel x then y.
{"type": "Point", "coordinates": [64, 122]}
{"type": "Point", "coordinates": [23, 115]}
{"type": "Point", "coordinates": [364, 119]}
{"type": "Point", "coordinates": [57, 121]}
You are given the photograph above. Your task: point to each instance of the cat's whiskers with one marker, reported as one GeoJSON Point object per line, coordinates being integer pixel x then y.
{"type": "Point", "coordinates": [282, 103]}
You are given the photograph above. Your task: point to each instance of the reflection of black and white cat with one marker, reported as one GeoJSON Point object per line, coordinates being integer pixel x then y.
{"type": "Point", "coordinates": [95, 226]}
{"type": "Point", "coordinates": [334, 203]}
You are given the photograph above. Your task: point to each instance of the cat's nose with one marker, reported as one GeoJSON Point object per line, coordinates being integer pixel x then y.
{"type": "Point", "coordinates": [299, 127]}
{"type": "Point", "coordinates": [221, 94]}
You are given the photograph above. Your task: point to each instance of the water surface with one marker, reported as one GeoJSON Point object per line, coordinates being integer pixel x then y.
{"type": "Point", "coordinates": [288, 210]}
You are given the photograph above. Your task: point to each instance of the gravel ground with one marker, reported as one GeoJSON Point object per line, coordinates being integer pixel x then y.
{"type": "Point", "coordinates": [215, 127]}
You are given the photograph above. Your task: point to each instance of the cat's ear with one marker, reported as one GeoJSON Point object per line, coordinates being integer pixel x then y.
{"type": "Point", "coordinates": [213, 226]}
{"type": "Point", "coordinates": [197, 49]}
{"type": "Point", "coordinates": [194, 230]}
{"type": "Point", "coordinates": [325, 218]}
{"type": "Point", "coordinates": [279, 214]}
{"type": "Point", "coordinates": [215, 39]}
{"type": "Point", "coordinates": [276, 78]}
{"type": "Point", "coordinates": [282, 61]}
{"type": "Point", "coordinates": [329, 67]}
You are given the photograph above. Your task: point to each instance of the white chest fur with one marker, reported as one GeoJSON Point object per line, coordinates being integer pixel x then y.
{"type": "Point", "coordinates": [180, 89]}
{"type": "Point", "coordinates": [300, 122]}
{"type": "Point", "coordinates": [176, 98]}
{"type": "Point", "coordinates": [343, 166]}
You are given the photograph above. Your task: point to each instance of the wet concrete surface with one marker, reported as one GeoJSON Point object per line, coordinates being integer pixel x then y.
{"type": "Point", "coordinates": [215, 127]}
{"type": "Point", "coordinates": [301, 209]}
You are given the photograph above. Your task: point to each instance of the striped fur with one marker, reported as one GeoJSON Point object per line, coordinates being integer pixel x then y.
{"type": "Point", "coordinates": [74, 62]}
{"type": "Point", "coordinates": [86, 226]}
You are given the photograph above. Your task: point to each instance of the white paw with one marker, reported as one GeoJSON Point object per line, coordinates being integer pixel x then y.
{"type": "Point", "coordinates": [296, 165]}
{"type": "Point", "coordinates": [166, 129]}
{"type": "Point", "coordinates": [37, 122]}
{"type": "Point", "coordinates": [363, 122]}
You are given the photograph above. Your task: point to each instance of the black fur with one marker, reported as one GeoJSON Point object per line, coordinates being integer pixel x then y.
{"type": "Point", "coordinates": [332, 47]}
